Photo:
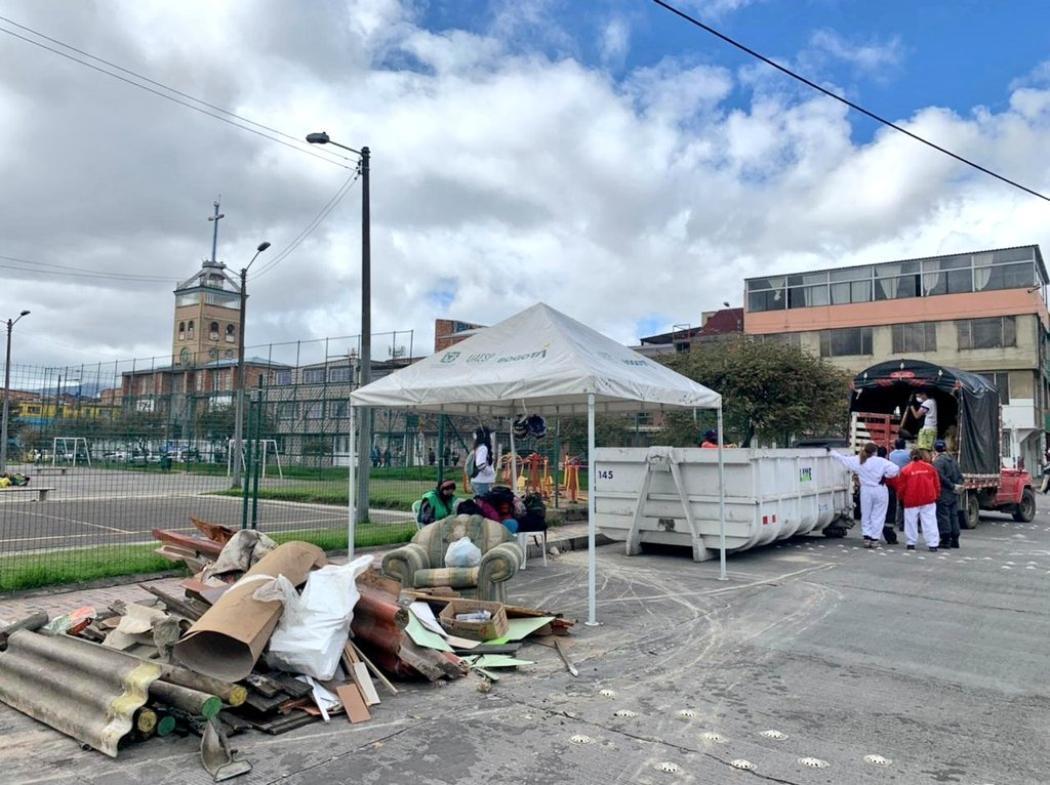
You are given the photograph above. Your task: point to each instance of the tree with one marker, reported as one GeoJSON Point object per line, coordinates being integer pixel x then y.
{"type": "Point", "coordinates": [769, 390]}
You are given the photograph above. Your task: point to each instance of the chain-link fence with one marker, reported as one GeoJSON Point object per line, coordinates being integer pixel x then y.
{"type": "Point", "coordinates": [112, 451]}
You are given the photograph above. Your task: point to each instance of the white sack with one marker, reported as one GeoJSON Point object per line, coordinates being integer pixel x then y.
{"type": "Point", "coordinates": [315, 625]}
{"type": "Point", "coordinates": [463, 553]}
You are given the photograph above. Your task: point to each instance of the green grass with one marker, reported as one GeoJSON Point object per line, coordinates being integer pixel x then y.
{"type": "Point", "coordinates": [31, 571]}
{"type": "Point", "coordinates": [388, 494]}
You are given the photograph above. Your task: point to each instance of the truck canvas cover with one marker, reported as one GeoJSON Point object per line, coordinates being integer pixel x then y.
{"type": "Point", "coordinates": [964, 399]}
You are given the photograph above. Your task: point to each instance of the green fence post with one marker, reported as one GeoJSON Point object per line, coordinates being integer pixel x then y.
{"type": "Point", "coordinates": [257, 467]}
{"type": "Point", "coordinates": [248, 467]}
{"type": "Point", "coordinates": [441, 449]}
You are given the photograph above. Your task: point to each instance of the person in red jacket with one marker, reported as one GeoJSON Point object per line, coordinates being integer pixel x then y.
{"type": "Point", "coordinates": [918, 487]}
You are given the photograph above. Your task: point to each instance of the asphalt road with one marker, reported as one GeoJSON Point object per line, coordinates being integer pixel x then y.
{"type": "Point", "coordinates": [935, 662]}
{"type": "Point", "coordinates": [100, 507]}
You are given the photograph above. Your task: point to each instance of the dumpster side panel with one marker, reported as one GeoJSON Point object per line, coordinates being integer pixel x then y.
{"type": "Point", "coordinates": [770, 494]}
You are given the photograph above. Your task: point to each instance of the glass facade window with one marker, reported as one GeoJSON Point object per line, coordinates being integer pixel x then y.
{"type": "Point", "coordinates": [341, 374]}
{"type": "Point", "coordinates": [287, 410]}
{"type": "Point", "coordinates": [193, 298]}
{"type": "Point", "coordinates": [846, 342]}
{"type": "Point", "coordinates": [910, 338]}
{"type": "Point", "coordinates": [995, 333]}
{"type": "Point", "coordinates": [957, 274]}
{"type": "Point", "coordinates": [337, 410]}
{"type": "Point", "coordinates": [223, 299]}
{"type": "Point", "coordinates": [1001, 380]}
{"type": "Point", "coordinates": [314, 376]}
{"type": "Point", "coordinates": [282, 377]}
{"type": "Point", "coordinates": [314, 410]}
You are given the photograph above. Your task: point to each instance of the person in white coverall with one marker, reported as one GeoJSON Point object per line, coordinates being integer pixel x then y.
{"type": "Point", "coordinates": [872, 472]}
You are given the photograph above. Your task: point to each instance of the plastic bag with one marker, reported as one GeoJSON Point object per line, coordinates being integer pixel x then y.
{"type": "Point", "coordinates": [463, 553]}
{"type": "Point", "coordinates": [313, 629]}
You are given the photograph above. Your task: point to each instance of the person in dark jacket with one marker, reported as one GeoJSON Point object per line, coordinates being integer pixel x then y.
{"type": "Point", "coordinates": [918, 488]}
{"type": "Point", "coordinates": [948, 502]}
{"type": "Point", "coordinates": [889, 528]}
{"type": "Point", "coordinates": [438, 504]}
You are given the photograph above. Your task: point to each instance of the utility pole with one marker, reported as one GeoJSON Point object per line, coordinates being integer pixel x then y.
{"type": "Point", "coordinates": [364, 439]}
{"type": "Point", "coordinates": [7, 394]}
{"type": "Point", "coordinates": [238, 424]}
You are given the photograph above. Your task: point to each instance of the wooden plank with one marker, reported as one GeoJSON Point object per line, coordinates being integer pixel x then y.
{"type": "Point", "coordinates": [354, 703]}
{"type": "Point", "coordinates": [359, 674]}
{"type": "Point", "coordinates": [265, 686]}
{"type": "Point", "coordinates": [375, 671]}
{"type": "Point", "coordinates": [198, 545]}
{"type": "Point", "coordinates": [173, 603]}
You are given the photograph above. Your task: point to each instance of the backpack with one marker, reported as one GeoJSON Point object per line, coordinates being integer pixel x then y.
{"type": "Point", "coordinates": [473, 470]}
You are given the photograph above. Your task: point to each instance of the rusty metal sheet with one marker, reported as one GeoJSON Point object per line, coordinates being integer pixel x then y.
{"type": "Point", "coordinates": [77, 687]}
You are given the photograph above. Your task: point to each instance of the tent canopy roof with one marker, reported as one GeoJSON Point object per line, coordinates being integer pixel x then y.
{"type": "Point", "coordinates": [540, 357]}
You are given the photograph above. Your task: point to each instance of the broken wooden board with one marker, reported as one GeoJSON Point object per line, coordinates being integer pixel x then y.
{"type": "Point", "coordinates": [353, 703]}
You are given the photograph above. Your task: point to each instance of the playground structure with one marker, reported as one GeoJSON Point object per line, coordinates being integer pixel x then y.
{"type": "Point", "coordinates": [534, 475]}
{"type": "Point", "coordinates": [255, 445]}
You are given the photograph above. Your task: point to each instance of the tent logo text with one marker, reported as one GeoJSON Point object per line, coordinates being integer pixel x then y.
{"type": "Point", "coordinates": [450, 357]}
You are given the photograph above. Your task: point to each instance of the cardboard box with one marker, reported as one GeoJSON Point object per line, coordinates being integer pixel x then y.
{"type": "Point", "coordinates": [496, 627]}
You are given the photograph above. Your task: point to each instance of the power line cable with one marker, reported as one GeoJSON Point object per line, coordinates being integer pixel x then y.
{"type": "Point", "coordinates": [318, 219]}
{"type": "Point", "coordinates": [33, 265]}
{"type": "Point", "coordinates": [175, 100]}
{"type": "Point", "coordinates": [856, 107]}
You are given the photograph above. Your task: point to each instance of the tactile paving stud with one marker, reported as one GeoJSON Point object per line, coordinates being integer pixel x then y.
{"type": "Point", "coordinates": [716, 738]}
{"type": "Point", "coordinates": [687, 714]}
{"type": "Point", "coordinates": [813, 763]}
{"type": "Point", "coordinates": [744, 765]}
{"type": "Point", "coordinates": [775, 735]}
{"type": "Point", "coordinates": [579, 738]}
{"type": "Point", "coordinates": [607, 693]}
{"type": "Point", "coordinates": [877, 760]}
{"type": "Point", "coordinates": [669, 768]}
{"type": "Point", "coordinates": [626, 713]}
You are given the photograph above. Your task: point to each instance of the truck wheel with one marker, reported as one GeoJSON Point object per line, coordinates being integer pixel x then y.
{"type": "Point", "coordinates": [1024, 511]}
{"type": "Point", "coordinates": [973, 510]}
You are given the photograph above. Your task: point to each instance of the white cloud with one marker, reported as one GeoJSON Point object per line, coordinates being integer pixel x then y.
{"type": "Point", "coordinates": [615, 40]}
{"type": "Point", "coordinates": [500, 177]}
{"type": "Point", "coordinates": [871, 56]}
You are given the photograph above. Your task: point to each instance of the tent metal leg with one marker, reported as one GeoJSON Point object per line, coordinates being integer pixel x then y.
{"type": "Point", "coordinates": [722, 576]}
{"type": "Point", "coordinates": [592, 557]}
{"type": "Point", "coordinates": [351, 496]}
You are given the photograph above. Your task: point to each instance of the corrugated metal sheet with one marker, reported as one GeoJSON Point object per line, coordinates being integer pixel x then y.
{"type": "Point", "coordinates": [77, 687]}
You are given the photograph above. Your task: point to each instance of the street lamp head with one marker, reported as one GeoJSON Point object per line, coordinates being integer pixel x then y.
{"type": "Point", "coordinates": [262, 247]}
{"type": "Point", "coordinates": [318, 138]}
{"type": "Point", "coordinates": [24, 313]}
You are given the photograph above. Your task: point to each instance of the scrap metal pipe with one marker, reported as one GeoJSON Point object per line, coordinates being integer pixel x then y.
{"type": "Point", "coordinates": [77, 687]}
{"type": "Point", "coordinates": [189, 700]}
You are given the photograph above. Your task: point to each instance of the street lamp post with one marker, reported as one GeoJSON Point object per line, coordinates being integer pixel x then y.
{"type": "Point", "coordinates": [7, 393]}
{"type": "Point", "coordinates": [364, 435]}
{"type": "Point", "coordinates": [238, 424]}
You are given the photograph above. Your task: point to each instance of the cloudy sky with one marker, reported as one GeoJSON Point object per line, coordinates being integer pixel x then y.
{"type": "Point", "coordinates": [600, 155]}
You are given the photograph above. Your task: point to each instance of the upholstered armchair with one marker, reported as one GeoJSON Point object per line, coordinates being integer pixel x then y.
{"type": "Point", "coordinates": [421, 563]}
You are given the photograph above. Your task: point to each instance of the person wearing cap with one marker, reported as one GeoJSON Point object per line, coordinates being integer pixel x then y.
{"type": "Point", "coordinates": [710, 440]}
{"type": "Point", "coordinates": [948, 501]}
{"type": "Point", "coordinates": [438, 504]}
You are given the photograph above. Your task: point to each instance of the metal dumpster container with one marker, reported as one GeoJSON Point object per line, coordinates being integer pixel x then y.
{"type": "Point", "coordinates": [649, 495]}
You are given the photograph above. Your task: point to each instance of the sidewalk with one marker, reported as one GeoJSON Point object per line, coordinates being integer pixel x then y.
{"type": "Point", "coordinates": [63, 599]}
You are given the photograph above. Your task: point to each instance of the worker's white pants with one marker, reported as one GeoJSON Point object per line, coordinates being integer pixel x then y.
{"type": "Point", "coordinates": [928, 514]}
{"type": "Point", "coordinates": [874, 499]}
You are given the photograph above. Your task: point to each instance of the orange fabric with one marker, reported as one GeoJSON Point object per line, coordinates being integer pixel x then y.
{"type": "Point", "coordinates": [709, 446]}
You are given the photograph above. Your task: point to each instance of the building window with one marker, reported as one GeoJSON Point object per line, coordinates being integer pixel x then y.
{"type": "Point", "coordinates": [844, 343]}
{"type": "Point", "coordinates": [340, 374]}
{"type": "Point", "coordinates": [189, 329]}
{"type": "Point", "coordinates": [213, 331]}
{"type": "Point", "coordinates": [337, 410]}
{"type": "Point", "coordinates": [314, 410]}
{"type": "Point", "coordinates": [287, 410]}
{"type": "Point", "coordinates": [182, 331]}
{"type": "Point", "coordinates": [282, 377]}
{"type": "Point", "coordinates": [313, 376]}
{"type": "Point", "coordinates": [920, 337]}
{"type": "Point", "coordinates": [765, 294]}
{"type": "Point", "coordinates": [995, 333]}
{"type": "Point", "coordinates": [231, 334]}
{"type": "Point", "coordinates": [1001, 380]}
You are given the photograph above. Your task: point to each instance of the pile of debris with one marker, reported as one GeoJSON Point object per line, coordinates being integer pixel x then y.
{"type": "Point", "coordinates": [266, 637]}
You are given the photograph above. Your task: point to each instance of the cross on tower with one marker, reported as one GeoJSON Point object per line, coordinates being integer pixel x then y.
{"type": "Point", "coordinates": [215, 231]}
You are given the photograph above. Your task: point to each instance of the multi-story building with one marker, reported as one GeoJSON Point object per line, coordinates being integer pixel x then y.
{"type": "Point", "coordinates": [715, 326]}
{"type": "Point", "coordinates": [448, 332]}
{"type": "Point", "coordinates": [983, 312]}
{"type": "Point", "coordinates": [207, 320]}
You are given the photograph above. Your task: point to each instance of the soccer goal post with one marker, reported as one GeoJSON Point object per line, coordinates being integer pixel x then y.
{"type": "Point", "coordinates": [267, 447]}
{"type": "Point", "coordinates": [71, 449]}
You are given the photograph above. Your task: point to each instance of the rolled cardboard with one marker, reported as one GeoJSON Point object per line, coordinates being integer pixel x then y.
{"type": "Point", "coordinates": [227, 640]}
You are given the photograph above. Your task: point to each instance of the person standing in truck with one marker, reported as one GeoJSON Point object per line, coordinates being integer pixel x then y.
{"type": "Point", "coordinates": [872, 471]}
{"type": "Point", "coordinates": [948, 502]}
{"type": "Point", "coordinates": [925, 409]}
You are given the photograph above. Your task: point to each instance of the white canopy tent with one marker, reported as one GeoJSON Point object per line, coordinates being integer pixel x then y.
{"type": "Point", "coordinates": [543, 361]}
